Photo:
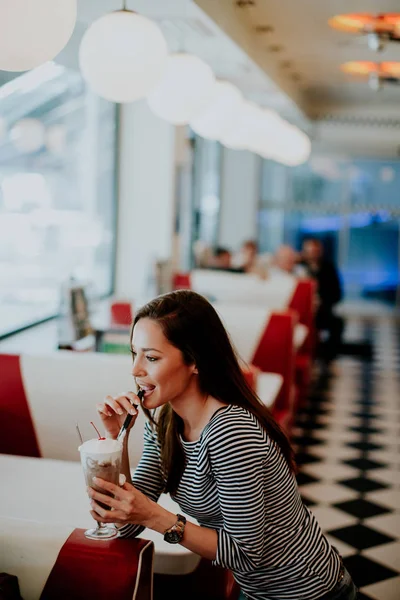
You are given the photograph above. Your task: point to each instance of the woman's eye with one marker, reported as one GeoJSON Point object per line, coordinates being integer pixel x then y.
{"type": "Point", "coordinates": [133, 354]}
{"type": "Point", "coordinates": [151, 358]}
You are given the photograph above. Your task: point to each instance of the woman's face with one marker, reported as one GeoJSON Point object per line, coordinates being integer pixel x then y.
{"type": "Point", "coordinates": [158, 366]}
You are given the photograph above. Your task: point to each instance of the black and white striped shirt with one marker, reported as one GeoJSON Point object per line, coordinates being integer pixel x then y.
{"type": "Point", "coordinates": [237, 482]}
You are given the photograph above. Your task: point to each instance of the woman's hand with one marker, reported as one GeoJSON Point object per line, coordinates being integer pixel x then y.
{"type": "Point", "coordinates": [113, 412]}
{"type": "Point", "coordinates": [128, 505]}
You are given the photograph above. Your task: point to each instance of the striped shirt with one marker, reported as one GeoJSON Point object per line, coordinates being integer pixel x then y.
{"type": "Point", "coordinates": [237, 482]}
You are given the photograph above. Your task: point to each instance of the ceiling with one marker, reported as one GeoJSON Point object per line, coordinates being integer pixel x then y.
{"type": "Point", "coordinates": [189, 28]}
{"type": "Point", "coordinates": [292, 65]}
{"type": "Point", "coordinates": [293, 43]}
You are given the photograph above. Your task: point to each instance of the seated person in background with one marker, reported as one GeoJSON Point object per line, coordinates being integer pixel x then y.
{"type": "Point", "coordinates": [286, 260]}
{"type": "Point", "coordinates": [202, 254]}
{"type": "Point", "coordinates": [222, 261]}
{"type": "Point", "coordinates": [329, 290]}
{"type": "Point", "coordinates": [250, 261]}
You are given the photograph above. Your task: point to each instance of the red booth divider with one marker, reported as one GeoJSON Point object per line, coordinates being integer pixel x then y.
{"type": "Point", "coordinates": [275, 354]}
{"type": "Point", "coordinates": [17, 433]}
{"type": "Point", "coordinates": [118, 568]}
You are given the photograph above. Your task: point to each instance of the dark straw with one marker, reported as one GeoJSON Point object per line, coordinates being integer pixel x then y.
{"type": "Point", "coordinates": [129, 418]}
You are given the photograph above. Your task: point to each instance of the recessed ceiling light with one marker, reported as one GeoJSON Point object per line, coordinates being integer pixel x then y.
{"type": "Point", "coordinates": [264, 29]}
{"type": "Point", "coordinates": [376, 73]}
{"type": "Point", "coordinates": [275, 48]}
{"type": "Point", "coordinates": [378, 29]}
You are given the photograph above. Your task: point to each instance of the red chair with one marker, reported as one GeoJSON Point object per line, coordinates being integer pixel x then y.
{"type": "Point", "coordinates": [121, 313]}
{"type": "Point", "coordinates": [275, 354]}
{"type": "Point", "coordinates": [119, 568]}
{"type": "Point", "coordinates": [303, 302]}
{"type": "Point", "coordinates": [181, 281]}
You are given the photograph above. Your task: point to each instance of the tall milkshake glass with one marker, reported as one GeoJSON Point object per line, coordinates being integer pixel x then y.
{"type": "Point", "coordinates": [101, 458]}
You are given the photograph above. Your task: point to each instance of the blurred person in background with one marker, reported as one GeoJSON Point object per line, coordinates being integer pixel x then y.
{"type": "Point", "coordinates": [287, 260]}
{"type": "Point", "coordinates": [249, 259]}
{"type": "Point", "coordinates": [222, 260]}
{"type": "Point", "coordinates": [329, 290]}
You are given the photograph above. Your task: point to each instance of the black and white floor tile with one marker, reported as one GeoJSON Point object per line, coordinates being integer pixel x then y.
{"type": "Point", "coordinates": [347, 439]}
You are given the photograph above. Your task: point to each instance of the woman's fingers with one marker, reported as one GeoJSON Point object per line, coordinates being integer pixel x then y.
{"type": "Point", "coordinates": [103, 410]}
{"type": "Point", "coordinates": [112, 403]}
{"type": "Point", "coordinates": [103, 498]}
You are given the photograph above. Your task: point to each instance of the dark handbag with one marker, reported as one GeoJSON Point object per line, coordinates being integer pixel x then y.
{"type": "Point", "coordinates": [9, 587]}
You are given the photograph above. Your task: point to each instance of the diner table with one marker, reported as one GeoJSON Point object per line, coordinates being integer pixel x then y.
{"type": "Point", "coordinates": [41, 503]}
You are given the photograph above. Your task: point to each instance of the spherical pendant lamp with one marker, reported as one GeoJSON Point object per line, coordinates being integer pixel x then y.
{"type": "Point", "coordinates": [220, 114]}
{"type": "Point", "coordinates": [33, 32]}
{"type": "Point", "coordinates": [122, 56]}
{"type": "Point", "coordinates": [293, 146]}
{"type": "Point", "coordinates": [241, 134]}
{"type": "Point", "coordinates": [265, 137]}
{"type": "Point", "coordinates": [186, 87]}
{"type": "Point", "coordinates": [28, 135]}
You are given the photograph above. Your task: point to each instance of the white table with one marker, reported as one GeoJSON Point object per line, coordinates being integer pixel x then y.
{"type": "Point", "coordinates": [48, 498]}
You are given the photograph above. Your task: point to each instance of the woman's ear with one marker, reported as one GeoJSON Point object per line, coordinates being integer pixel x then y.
{"type": "Point", "coordinates": [195, 370]}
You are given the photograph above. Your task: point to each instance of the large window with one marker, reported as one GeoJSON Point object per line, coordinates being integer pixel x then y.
{"type": "Point", "coordinates": [57, 192]}
{"type": "Point", "coordinates": [352, 205]}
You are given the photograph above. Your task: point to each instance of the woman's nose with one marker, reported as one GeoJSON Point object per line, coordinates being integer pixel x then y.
{"type": "Point", "coordinates": [138, 368]}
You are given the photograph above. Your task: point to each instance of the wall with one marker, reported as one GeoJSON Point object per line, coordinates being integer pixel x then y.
{"type": "Point", "coordinates": [146, 198]}
{"type": "Point", "coordinates": [240, 190]}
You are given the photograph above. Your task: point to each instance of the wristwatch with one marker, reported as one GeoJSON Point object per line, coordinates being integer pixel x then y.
{"type": "Point", "coordinates": [174, 534]}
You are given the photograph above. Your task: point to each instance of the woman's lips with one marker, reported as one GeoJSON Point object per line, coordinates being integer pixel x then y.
{"type": "Point", "coordinates": [147, 390]}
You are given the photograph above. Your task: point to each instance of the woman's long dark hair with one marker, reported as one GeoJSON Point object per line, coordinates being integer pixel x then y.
{"type": "Point", "coordinates": [191, 324]}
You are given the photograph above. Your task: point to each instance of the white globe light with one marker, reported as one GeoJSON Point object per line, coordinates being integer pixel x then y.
{"type": "Point", "coordinates": [268, 131]}
{"type": "Point", "coordinates": [293, 146]}
{"type": "Point", "coordinates": [220, 114]}
{"type": "Point", "coordinates": [56, 139]}
{"type": "Point", "coordinates": [241, 134]}
{"type": "Point", "coordinates": [184, 90]}
{"type": "Point", "coordinates": [122, 56]}
{"type": "Point", "coordinates": [34, 31]}
{"type": "Point", "coordinates": [28, 135]}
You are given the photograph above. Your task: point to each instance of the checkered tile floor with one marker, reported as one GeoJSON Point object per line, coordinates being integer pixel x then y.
{"type": "Point", "coordinates": [347, 439]}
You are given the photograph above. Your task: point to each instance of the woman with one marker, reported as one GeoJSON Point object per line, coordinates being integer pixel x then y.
{"type": "Point", "coordinates": [216, 449]}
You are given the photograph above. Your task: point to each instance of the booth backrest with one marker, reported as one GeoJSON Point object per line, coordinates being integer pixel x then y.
{"type": "Point", "coordinates": [303, 302]}
{"type": "Point", "coordinates": [43, 397]}
{"type": "Point", "coordinates": [242, 288]}
{"type": "Point", "coordinates": [275, 354]}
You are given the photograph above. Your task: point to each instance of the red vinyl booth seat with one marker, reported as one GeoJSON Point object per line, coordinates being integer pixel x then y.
{"type": "Point", "coordinates": [18, 434]}
{"type": "Point", "coordinates": [303, 302]}
{"type": "Point", "coordinates": [84, 569]}
{"type": "Point", "coordinates": [275, 354]}
{"type": "Point", "coordinates": [181, 281]}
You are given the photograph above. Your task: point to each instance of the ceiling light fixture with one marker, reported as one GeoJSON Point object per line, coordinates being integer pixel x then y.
{"type": "Point", "coordinates": [220, 114]}
{"type": "Point", "coordinates": [122, 56]}
{"type": "Point", "coordinates": [376, 74]}
{"type": "Point", "coordinates": [32, 33]}
{"type": "Point", "coordinates": [378, 29]}
{"type": "Point", "coordinates": [186, 87]}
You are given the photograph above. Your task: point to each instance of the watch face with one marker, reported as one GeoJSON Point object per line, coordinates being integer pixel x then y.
{"type": "Point", "coordinates": [173, 537]}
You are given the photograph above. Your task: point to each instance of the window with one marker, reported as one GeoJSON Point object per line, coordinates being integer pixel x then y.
{"type": "Point", "coordinates": [57, 192]}
{"type": "Point", "coordinates": [352, 205]}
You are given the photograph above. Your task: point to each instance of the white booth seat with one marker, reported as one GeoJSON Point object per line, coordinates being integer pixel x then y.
{"type": "Point", "coordinates": [58, 390]}
{"type": "Point", "coordinates": [241, 288]}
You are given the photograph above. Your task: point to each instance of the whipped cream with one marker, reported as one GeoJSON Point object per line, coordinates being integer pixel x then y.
{"type": "Point", "coordinates": [96, 446]}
